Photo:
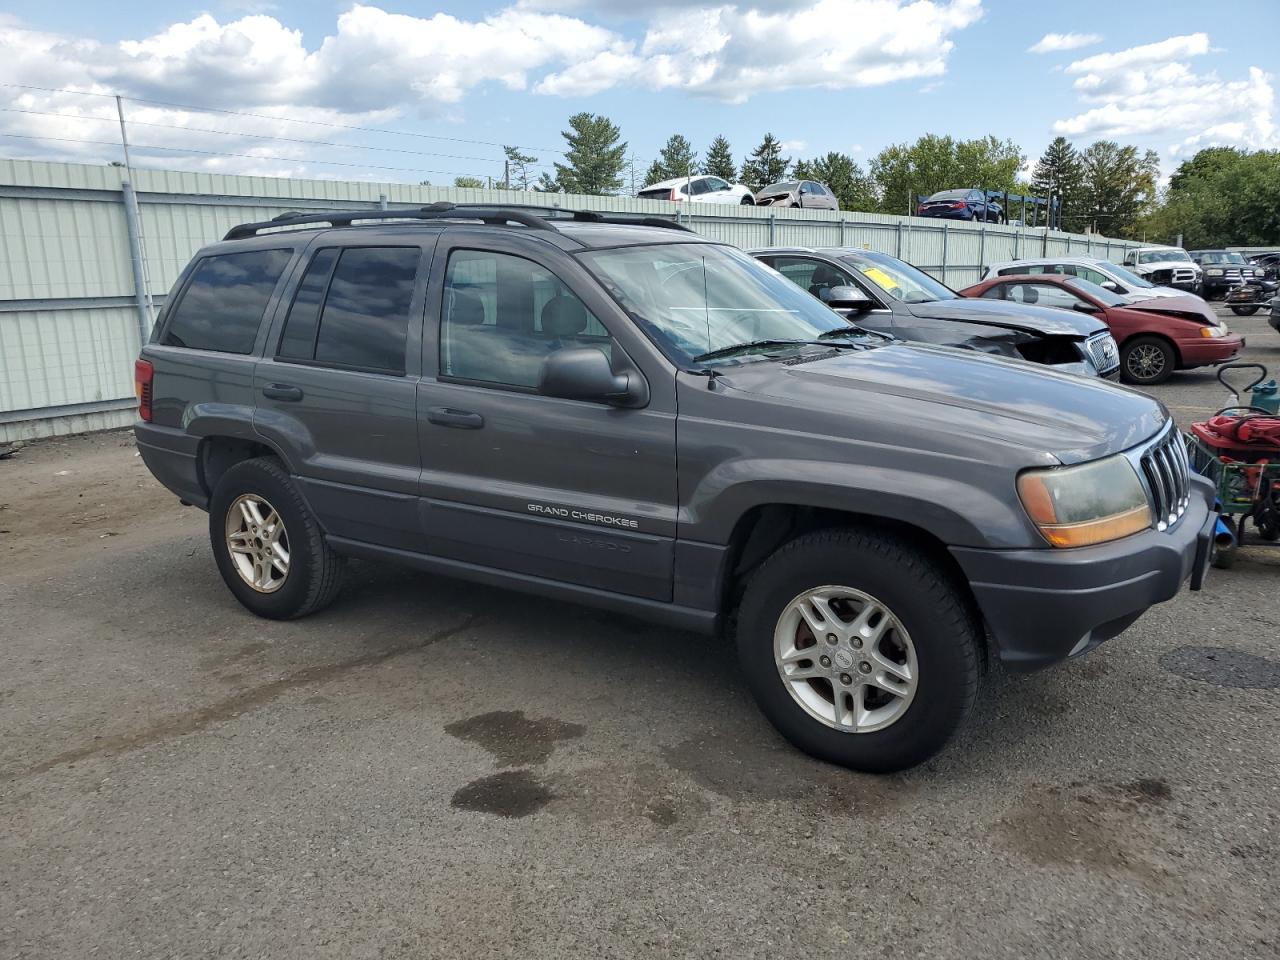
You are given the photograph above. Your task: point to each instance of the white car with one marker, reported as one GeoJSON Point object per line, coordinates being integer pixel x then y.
{"type": "Point", "coordinates": [1104, 273]}
{"type": "Point", "coordinates": [1166, 266]}
{"type": "Point", "coordinates": [698, 190]}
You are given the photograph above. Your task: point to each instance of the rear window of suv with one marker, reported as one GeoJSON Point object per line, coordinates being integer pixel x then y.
{"type": "Point", "coordinates": [222, 305]}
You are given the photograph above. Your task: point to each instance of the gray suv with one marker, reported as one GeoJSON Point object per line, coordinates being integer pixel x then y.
{"type": "Point", "coordinates": [619, 412]}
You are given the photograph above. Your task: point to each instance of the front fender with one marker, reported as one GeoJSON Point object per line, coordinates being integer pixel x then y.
{"type": "Point", "coordinates": [958, 511]}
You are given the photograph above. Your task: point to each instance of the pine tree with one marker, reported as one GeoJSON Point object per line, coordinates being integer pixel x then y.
{"type": "Point", "coordinates": [853, 188]}
{"type": "Point", "coordinates": [766, 164]}
{"type": "Point", "coordinates": [719, 162]}
{"type": "Point", "coordinates": [655, 174]}
{"type": "Point", "coordinates": [474, 183]}
{"type": "Point", "coordinates": [1059, 173]}
{"type": "Point", "coordinates": [595, 157]}
{"type": "Point", "coordinates": [547, 184]}
{"type": "Point", "coordinates": [518, 174]}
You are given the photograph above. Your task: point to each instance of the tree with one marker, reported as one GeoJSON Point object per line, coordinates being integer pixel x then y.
{"type": "Point", "coordinates": [766, 164]}
{"type": "Point", "coordinates": [655, 174]}
{"type": "Point", "coordinates": [719, 162]}
{"type": "Point", "coordinates": [595, 157]}
{"type": "Point", "coordinates": [903, 171]}
{"type": "Point", "coordinates": [853, 188]}
{"type": "Point", "coordinates": [548, 184]}
{"type": "Point", "coordinates": [1119, 186]}
{"type": "Point", "coordinates": [518, 173]}
{"type": "Point", "coordinates": [1219, 197]}
{"type": "Point", "coordinates": [1059, 173]}
{"type": "Point", "coordinates": [475, 183]}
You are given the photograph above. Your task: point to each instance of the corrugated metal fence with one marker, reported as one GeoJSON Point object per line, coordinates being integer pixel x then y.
{"type": "Point", "coordinates": [69, 327]}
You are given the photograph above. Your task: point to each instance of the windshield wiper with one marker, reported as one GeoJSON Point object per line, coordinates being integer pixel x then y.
{"type": "Point", "coordinates": [755, 344]}
{"type": "Point", "coordinates": [852, 331]}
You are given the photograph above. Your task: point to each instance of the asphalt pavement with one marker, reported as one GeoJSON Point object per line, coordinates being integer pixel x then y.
{"type": "Point", "coordinates": [435, 769]}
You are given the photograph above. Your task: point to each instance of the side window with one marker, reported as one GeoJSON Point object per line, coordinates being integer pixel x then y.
{"type": "Point", "coordinates": [1015, 271]}
{"type": "Point", "coordinates": [717, 184]}
{"type": "Point", "coordinates": [1042, 294]}
{"type": "Point", "coordinates": [812, 275]}
{"type": "Point", "coordinates": [1093, 276]}
{"type": "Point", "coordinates": [352, 309]}
{"type": "Point", "coordinates": [998, 291]}
{"type": "Point", "coordinates": [223, 303]}
{"type": "Point", "coordinates": [503, 315]}
{"type": "Point", "coordinates": [699, 187]}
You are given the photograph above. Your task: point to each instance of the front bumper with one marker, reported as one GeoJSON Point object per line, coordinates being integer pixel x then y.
{"type": "Point", "coordinates": [1208, 350]}
{"type": "Point", "coordinates": [1045, 605]}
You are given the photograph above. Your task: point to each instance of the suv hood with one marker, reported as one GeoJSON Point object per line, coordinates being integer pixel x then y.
{"type": "Point", "coordinates": [1014, 316]}
{"type": "Point", "coordinates": [942, 398]}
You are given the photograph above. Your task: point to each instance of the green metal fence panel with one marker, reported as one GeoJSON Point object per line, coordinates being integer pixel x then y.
{"type": "Point", "coordinates": [69, 329]}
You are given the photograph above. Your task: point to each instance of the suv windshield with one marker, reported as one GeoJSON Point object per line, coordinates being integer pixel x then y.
{"type": "Point", "coordinates": [899, 280]}
{"type": "Point", "coordinates": [1125, 277]}
{"type": "Point", "coordinates": [698, 298]}
{"type": "Point", "coordinates": [1162, 256]}
{"type": "Point", "coordinates": [1221, 258]}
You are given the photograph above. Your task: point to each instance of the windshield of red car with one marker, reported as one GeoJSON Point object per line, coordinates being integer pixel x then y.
{"type": "Point", "coordinates": [1091, 289]}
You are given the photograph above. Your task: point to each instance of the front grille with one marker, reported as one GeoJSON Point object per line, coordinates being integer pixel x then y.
{"type": "Point", "coordinates": [1164, 469]}
{"type": "Point", "coordinates": [1183, 275]}
{"type": "Point", "coordinates": [1103, 352]}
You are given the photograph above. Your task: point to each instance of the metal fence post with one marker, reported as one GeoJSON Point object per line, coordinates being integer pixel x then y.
{"type": "Point", "coordinates": [842, 231]}
{"type": "Point", "coordinates": [982, 248]}
{"type": "Point", "coordinates": [1089, 248]}
{"type": "Point", "coordinates": [135, 255]}
{"type": "Point", "coordinates": [945, 234]}
{"type": "Point", "coordinates": [898, 249]}
{"type": "Point", "coordinates": [772, 221]}
{"type": "Point", "coordinates": [1046, 243]}
{"type": "Point", "coordinates": [1017, 244]}
{"type": "Point", "coordinates": [382, 201]}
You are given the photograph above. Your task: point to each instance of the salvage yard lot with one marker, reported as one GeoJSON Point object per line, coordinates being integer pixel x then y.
{"type": "Point", "coordinates": [437, 769]}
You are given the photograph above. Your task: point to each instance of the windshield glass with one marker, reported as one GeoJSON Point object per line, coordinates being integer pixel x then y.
{"type": "Point", "coordinates": [899, 280]}
{"type": "Point", "coordinates": [773, 188]}
{"type": "Point", "coordinates": [1162, 256]}
{"type": "Point", "coordinates": [1091, 289]}
{"type": "Point", "coordinates": [1221, 258]}
{"type": "Point", "coordinates": [696, 298]}
{"type": "Point", "coordinates": [951, 195]}
{"type": "Point", "coordinates": [1125, 277]}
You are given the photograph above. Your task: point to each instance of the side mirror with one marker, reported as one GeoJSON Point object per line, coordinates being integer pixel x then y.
{"type": "Point", "coordinates": [1109, 285]}
{"type": "Point", "coordinates": [1083, 307]}
{"type": "Point", "coordinates": [848, 298]}
{"type": "Point", "coordinates": [584, 373]}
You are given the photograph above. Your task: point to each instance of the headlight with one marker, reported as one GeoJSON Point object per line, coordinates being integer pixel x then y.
{"type": "Point", "coordinates": [1213, 331]}
{"type": "Point", "coordinates": [1086, 504]}
{"type": "Point", "coordinates": [1214, 272]}
{"type": "Point", "coordinates": [1258, 273]}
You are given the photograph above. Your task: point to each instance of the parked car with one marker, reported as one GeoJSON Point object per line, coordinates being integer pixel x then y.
{"type": "Point", "coordinates": [1251, 296]}
{"type": "Point", "coordinates": [698, 190]}
{"type": "Point", "coordinates": [1104, 273]}
{"type": "Point", "coordinates": [1275, 314]}
{"type": "Point", "coordinates": [798, 193]}
{"type": "Point", "coordinates": [889, 296]}
{"type": "Point", "coordinates": [961, 205]}
{"type": "Point", "coordinates": [1223, 270]}
{"type": "Point", "coordinates": [1156, 337]}
{"type": "Point", "coordinates": [1165, 267]}
{"type": "Point", "coordinates": [620, 412]}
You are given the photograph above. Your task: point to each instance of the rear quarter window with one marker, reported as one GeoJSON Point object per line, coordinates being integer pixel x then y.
{"type": "Point", "coordinates": [222, 305]}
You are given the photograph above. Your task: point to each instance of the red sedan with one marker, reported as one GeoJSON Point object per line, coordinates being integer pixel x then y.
{"type": "Point", "coordinates": [1155, 337]}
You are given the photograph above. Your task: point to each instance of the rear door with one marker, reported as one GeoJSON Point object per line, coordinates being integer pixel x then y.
{"type": "Point", "coordinates": [337, 389]}
{"type": "Point", "coordinates": [568, 490]}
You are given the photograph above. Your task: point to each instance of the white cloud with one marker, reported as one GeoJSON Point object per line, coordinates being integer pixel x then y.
{"type": "Point", "coordinates": [377, 65]}
{"type": "Point", "coordinates": [1056, 42]}
{"type": "Point", "coordinates": [1150, 93]}
{"type": "Point", "coordinates": [793, 146]}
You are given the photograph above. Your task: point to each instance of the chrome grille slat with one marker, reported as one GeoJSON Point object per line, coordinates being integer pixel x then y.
{"type": "Point", "coordinates": [1165, 469]}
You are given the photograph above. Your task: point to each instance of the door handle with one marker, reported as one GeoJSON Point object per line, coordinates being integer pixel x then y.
{"type": "Point", "coordinates": [461, 419]}
{"type": "Point", "coordinates": [282, 391]}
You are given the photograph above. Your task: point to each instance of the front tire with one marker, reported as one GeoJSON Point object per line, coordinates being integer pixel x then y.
{"type": "Point", "coordinates": [747, 202]}
{"type": "Point", "coordinates": [1146, 361]}
{"type": "Point", "coordinates": [267, 545]}
{"type": "Point", "coordinates": [1246, 311]}
{"type": "Point", "coordinates": [894, 665]}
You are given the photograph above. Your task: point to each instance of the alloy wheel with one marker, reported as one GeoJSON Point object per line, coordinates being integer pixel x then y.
{"type": "Point", "coordinates": [257, 543]}
{"type": "Point", "coordinates": [1145, 362]}
{"type": "Point", "coordinates": [846, 659]}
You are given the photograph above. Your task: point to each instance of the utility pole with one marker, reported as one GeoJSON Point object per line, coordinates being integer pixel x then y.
{"type": "Point", "coordinates": [133, 215]}
{"type": "Point", "coordinates": [506, 174]}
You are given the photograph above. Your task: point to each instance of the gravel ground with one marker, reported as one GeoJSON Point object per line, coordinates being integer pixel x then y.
{"type": "Point", "coordinates": [434, 769]}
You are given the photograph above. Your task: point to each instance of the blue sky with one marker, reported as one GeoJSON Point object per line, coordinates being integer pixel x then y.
{"type": "Point", "coordinates": [850, 75]}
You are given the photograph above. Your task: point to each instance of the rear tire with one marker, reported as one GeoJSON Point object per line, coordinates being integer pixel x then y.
{"type": "Point", "coordinates": [268, 547]}
{"type": "Point", "coordinates": [1246, 311]}
{"type": "Point", "coordinates": [924, 626]}
{"type": "Point", "coordinates": [1146, 361]}
{"type": "Point", "coordinates": [747, 202]}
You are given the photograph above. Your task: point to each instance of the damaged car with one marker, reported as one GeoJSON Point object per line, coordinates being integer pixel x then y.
{"type": "Point", "coordinates": [884, 294]}
{"type": "Point", "coordinates": [1166, 267]}
{"type": "Point", "coordinates": [798, 193]}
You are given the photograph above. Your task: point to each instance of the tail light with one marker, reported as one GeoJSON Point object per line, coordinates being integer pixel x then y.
{"type": "Point", "coordinates": [143, 374]}
{"type": "Point", "coordinates": [920, 208]}
{"type": "Point", "coordinates": [674, 194]}
{"type": "Point", "coordinates": [957, 206]}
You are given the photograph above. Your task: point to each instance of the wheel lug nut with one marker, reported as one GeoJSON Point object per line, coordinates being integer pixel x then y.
{"type": "Point", "coordinates": [857, 643]}
{"type": "Point", "coordinates": [864, 667]}
{"type": "Point", "coordinates": [846, 679]}
{"type": "Point", "coordinates": [832, 638]}
{"type": "Point", "coordinates": [825, 661]}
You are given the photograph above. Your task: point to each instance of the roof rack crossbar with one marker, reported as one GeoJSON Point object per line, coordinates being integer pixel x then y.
{"type": "Point", "coordinates": [521, 214]}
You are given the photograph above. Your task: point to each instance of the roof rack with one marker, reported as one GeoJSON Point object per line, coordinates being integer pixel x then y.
{"type": "Point", "coordinates": [520, 214]}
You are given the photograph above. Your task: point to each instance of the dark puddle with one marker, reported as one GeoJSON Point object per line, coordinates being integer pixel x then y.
{"type": "Point", "coordinates": [1223, 667]}
{"type": "Point", "coordinates": [512, 738]}
{"type": "Point", "coordinates": [511, 793]}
